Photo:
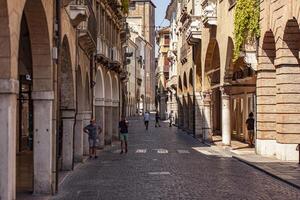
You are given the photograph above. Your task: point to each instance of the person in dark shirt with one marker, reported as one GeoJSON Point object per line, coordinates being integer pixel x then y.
{"type": "Point", "coordinates": [250, 127]}
{"type": "Point", "coordinates": [123, 126]}
{"type": "Point", "coordinates": [92, 130]}
{"type": "Point", "coordinates": [157, 119]}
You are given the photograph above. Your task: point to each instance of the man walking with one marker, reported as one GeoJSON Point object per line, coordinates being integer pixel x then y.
{"type": "Point", "coordinates": [123, 126]}
{"type": "Point", "coordinates": [171, 119]}
{"type": "Point", "coordinates": [250, 128]}
{"type": "Point", "coordinates": [93, 131]}
{"type": "Point", "coordinates": [157, 119]}
{"type": "Point", "coordinates": [146, 119]}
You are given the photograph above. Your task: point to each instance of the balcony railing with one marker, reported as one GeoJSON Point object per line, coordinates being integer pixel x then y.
{"type": "Point", "coordinates": [194, 30]}
{"type": "Point", "coordinates": [102, 50]}
{"type": "Point", "coordinates": [209, 8]}
{"type": "Point", "coordinates": [88, 29]}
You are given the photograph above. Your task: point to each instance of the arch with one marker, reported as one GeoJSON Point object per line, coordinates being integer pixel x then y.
{"type": "Point", "coordinates": [291, 39]}
{"type": "Point", "coordinates": [185, 84]}
{"type": "Point", "coordinates": [180, 85]}
{"type": "Point", "coordinates": [108, 86]}
{"type": "Point", "coordinates": [66, 82]}
{"type": "Point", "coordinates": [229, 60]}
{"type": "Point", "coordinates": [40, 45]}
{"type": "Point", "coordinates": [87, 92]}
{"type": "Point", "coordinates": [99, 88]}
{"type": "Point", "coordinates": [212, 64]}
{"type": "Point", "coordinates": [79, 89]}
{"type": "Point", "coordinates": [191, 80]}
{"type": "Point", "coordinates": [5, 71]}
{"type": "Point", "coordinates": [115, 88]}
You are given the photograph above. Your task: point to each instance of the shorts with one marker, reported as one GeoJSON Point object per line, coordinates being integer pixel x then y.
{"type": "Point", "coordinates": [92, 143]}
{"type": "Point", "coordinates": [124, 136]}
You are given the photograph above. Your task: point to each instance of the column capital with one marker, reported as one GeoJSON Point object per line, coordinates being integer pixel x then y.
{"type": "Point", "coordinates": [9, 86]}
{"type": "Point", "coordinates": [43, 95]}
{"type": "Point", "coordinates": [225, 90]}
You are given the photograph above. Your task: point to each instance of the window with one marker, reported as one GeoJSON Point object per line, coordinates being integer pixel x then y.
{"type": "Point", "coordinates": [167, 40]}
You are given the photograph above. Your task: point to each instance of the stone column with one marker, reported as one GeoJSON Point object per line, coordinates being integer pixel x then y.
{"type": "Point", "coordinates": [108, 122]}
{"type": "Point", "coordinates": [8, 115]}
{"type": "Point", "coordinates": [226, 124]}
{"type": "Point", "coordinates": [207, 134]}
{"type": "Point", "coordinates": [180, 112]}
{"type": "Point", "coordinates": [186, 112]}
{"type": "Point", "coordinates": [78, 140]}
{"type": "Point", "coordinates": [42, 151]}
{"type": "Point", "coordinates": [115, 120]}
{"type": "Point", "coordinates": [68, 120]}
{"type": "Point", "coordinates": [191, 108]}
{"type": "Point", "coordinates": [86, 118]}
{"type": "Point", "coordinates": [198, 115]}
{"type": "Point", "coordinates": [100, 117]}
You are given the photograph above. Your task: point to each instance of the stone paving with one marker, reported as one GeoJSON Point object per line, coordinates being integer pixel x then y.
{"type": "Point", "coordinates": [164, 163]}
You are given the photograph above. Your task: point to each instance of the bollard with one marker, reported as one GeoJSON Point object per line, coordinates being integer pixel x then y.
{"type": "Point", "coordinates": [298, 149]}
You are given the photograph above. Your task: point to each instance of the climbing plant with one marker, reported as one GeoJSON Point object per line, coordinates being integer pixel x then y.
{"type": "Point", "coordinates": [246, 24]}
{"type": "Point", "coordinates": [125, 6]}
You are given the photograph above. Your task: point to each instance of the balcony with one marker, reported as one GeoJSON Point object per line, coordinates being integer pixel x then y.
{"type": "Point", "coordinates": [102, 51]}
{"type": "Point", "coordinates": [115, 58]}
{"type": "Point", "coordinates": [78, 12]}
{"type": "Point", "coordinates": [194, 30]}
{"type": "Point", "coordinates": [88, 31]}
{"type": "Point", "coordinates": [209, 8]}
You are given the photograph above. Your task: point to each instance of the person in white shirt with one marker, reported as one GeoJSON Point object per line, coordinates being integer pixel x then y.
{"type": "Point", "coordinates": [171, 118]}
{"type": "Point", "coordinates": [146, 119]}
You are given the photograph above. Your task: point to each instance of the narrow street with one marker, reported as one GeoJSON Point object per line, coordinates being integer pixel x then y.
{"type": "Point", "coordinates": [164, 163]}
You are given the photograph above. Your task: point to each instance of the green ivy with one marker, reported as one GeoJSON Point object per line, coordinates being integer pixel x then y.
{"type": "Point", "coordinates": [246, 24]}
{"type": "Point", "coordinates": [125, 6]}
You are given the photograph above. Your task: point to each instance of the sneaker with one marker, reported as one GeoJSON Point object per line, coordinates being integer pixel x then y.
{"type": "Point", "coordinates": [126, 151]}
{"type": "Point", "coordinates": [96, 157]}
{"type": "Point", "coordinates": [91, 157]}
{"type": "Point", "coordinates": [121, 152]}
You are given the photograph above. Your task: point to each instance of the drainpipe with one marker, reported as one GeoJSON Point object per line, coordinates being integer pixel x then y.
{"type": "Point", "coordinates": [194, 92]}
{"type": "Point", "coordinates": [58, 42]}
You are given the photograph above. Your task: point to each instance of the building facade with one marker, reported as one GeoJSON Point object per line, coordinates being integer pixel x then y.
{"type": "Point", "coordinates": [61, 65]}
{"type": "Point", "coordinates": [222, 89]}
{"type": "Point", "coordinates": [142, 14]}
{"type": "Point", "coordinates": [162, 71]}
{"type": "Point", "coordinates": [171, 85]}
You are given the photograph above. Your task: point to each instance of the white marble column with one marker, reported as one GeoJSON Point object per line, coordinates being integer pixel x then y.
{"type": "Point", "coordinates": [78, 140]}
{"type": "Point", "coordinates": [100, 117]}
{"type": "Point", "coordinates": [42, 150]}
{"type": "Point", "coordinates": [68, 120]}
{"type": "Point", "coordinates": [207, 133]}
{"type": "Point", "coordinates": [198, 115]}
{"type": "Point", "coordinates": [108, 122]}
{"type": "Point", "coordinates": [226, 124]}
{"type": "Point", "coordinates": [8, 116]}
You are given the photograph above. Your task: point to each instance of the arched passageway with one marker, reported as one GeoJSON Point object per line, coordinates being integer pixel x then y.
{"type": "Point", "coordinates": [100, 103]}
{"type": "Point", "coordinates": [108, 109]}
{"type": "Point", "coordinates": [66, 105]}
{"type": "Point", "coordinates": [35, 105]}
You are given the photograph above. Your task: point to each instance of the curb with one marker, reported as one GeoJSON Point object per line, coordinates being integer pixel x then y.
{"type": "Point", "coordinates": [265, 171]}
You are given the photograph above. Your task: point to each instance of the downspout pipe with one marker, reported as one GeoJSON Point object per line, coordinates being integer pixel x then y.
{"type": "Point", "coordinates": [57, 29]}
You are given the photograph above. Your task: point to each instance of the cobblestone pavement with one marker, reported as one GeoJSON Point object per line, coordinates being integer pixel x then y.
{"type": "Point", "coordinates": [164, 163]}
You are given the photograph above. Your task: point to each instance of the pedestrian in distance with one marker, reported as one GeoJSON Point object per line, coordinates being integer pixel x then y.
{"type": "Point", "coordinates": [157, 118]}
{"type": "Point", "coordinates": [123, 126]}
{"type": "Point", "coordinates": [250, 127]}
{"type": "Point", "coordinates": [171, 119]}
{"type": "Point", "coordinates": [93, 131]}
{"type": "Point", "coordinates": [146, 119]}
